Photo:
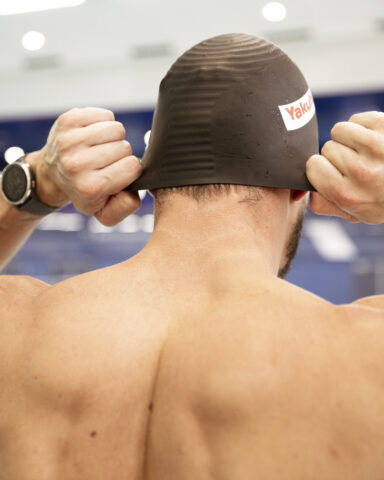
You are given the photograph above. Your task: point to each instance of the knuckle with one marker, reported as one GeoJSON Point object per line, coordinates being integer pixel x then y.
{"type": "Point", "coordinates": [119, 129]}
{"type": "Point", "coordinates": [61, 143]}
{"type": "Point", "coordinates": [310, 163]}
{"type": "Point", "coordinates": [65, 141]}
{"type": "Point", "coordinates": [375, 118]}
{"type": "Point", "coordinates": [362, 172]}
{"type": "Point", "coordinates": [337, 128]}
{"type": "Point", "coordinates": [347, 198]}
{"type": "Point", "coordinates": [89, 189]}
{"type": "Point", "coordinates": [327, 148]}
{"type": "Point", "coordinates": [376, 145]}
{"type": "Point", "coordinates": [109, 114]}
{"type": "Point", "coordinates": [69, 118]}
{"type": "Point", "coordinates": [72, 164]}
{"type": "Point", "coordinates": [355, 118]}
{"type": "Point", "coordinates": [380, 119]}
{"type": "Point", "coordinates": [378, 116]}
{"type": "Point", "coordinates": [126, 146]}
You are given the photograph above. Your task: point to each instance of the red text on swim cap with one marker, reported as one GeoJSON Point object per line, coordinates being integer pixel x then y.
{"type": "Point", "coordinates": [298, 113]}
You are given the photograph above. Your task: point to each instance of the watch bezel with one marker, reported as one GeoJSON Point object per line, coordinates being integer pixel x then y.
{"type": "Point", "coordinates": [28, 191]}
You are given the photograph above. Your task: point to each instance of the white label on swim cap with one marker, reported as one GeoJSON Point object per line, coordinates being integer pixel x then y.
{"type": "Point", "coordinates": [298, 113]}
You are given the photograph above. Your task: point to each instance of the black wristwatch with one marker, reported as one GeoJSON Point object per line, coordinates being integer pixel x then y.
{"type": "Point", "coordinates": [18, 185]}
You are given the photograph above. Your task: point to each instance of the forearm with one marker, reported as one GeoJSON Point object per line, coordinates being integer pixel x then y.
{"type": "Point", "coordinates": [15, 228]}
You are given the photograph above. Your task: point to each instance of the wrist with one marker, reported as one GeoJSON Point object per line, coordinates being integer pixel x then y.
{"type": "Point", "coordinates": [47, 190]}
{"type": "Point", "coordinates": [11, 217]}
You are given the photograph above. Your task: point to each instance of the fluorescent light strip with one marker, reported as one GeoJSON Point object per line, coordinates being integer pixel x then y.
{"type": "Point", "coordinates": [65, 222]}
{"type": "Point", "coordinates": [13, 7]}
{"type": "Point", "coordinates": [331, 240]}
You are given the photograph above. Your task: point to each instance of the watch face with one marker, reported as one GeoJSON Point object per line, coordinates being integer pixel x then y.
{"type": "Point", "coordinates": [14, 183]}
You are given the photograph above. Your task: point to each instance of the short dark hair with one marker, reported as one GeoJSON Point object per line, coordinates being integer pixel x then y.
{"type": "Point", "coordinates": [205, 193]}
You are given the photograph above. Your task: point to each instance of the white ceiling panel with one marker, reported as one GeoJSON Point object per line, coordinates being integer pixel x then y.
{"type": "Point", "coordinates": [98, 50]}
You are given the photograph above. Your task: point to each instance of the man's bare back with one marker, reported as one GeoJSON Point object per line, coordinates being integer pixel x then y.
{"type": "Point", "coordinates": [191, 360]}
{"type": "Point", "coordinates": [139, 372]}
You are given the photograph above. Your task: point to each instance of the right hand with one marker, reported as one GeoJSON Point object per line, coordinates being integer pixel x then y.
{"type": "Point", "coordinates": [349, 173]}
{"type": "Point", "coordinates": [87, 161]}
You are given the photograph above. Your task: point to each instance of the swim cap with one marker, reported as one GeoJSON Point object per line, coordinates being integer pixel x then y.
{"type": "Point", "coordinates": [233, 109]}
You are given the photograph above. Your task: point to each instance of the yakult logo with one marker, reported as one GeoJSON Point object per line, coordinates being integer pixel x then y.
{"type": "Point", "coordinates": [298, 113]}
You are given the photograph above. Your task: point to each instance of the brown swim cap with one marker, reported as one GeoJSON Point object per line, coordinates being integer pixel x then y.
{"type": "Point", "coordinates": [233, 109]}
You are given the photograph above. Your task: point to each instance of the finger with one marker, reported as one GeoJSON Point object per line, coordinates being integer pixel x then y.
{"type": "Point", "coordinates": [341, 156]}
{"type": "Point", "coordinates": [324, 176]}
{"type": "Point", "coordinates": [101, 156]}
{"type": "Point", "coordinates": [351, 135]}
{"type": "Point", "coordinates": [321, 206]}
{"type": "Point", "coordinates": [371, 120]}
{"type": "Point", "coordinates": [102, 132]}
{"type": "Point", "coordinates": [118, 207]}
{"type": "Point", "coordinates": [92, 135]}
{"type": "Point", "coordinates": [81, 117]}
{"type": "Point", "coordinates": [119, 175]}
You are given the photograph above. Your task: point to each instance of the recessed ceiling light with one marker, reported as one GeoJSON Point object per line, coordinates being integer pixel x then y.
{"type": "Point", "coordinates": [13, 153]}
{"type": "Point", "coordinates": [274, 11]}
{"type": "Point", "coordinates": [33, 41]}
{"type": "Point", "coordinates": [13, 7]}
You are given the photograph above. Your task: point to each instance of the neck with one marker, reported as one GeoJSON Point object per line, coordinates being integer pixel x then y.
{"type": "Point", "coordinates": [223, 235]}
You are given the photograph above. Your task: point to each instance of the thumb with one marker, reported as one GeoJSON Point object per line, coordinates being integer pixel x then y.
{"type": "Point", "coordinates": [118, 207]}
{"type": "Point", "coordinates": [320, 205]}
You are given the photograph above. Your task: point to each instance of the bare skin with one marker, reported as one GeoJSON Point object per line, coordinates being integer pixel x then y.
{"type": "Point", "coordinates": [192, 360]}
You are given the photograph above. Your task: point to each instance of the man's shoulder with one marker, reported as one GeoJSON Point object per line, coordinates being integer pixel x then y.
{"type": "Point", "coordinates": [362, 323]}
{"type": "Point", "coordinates": [87, 289]}
{"type": "Point", "coordinates": [28, 305]}
{"type": "Point", "coordinates": [68, 327]}
{"type": "Point", "coordinates": [17, 285]}
{"type": "Point", "coordinates": [18, 299]}
{"type": "Point", "coordinates": [366, 309]}
{"type": "Point", "coordinates": [24, 295]}
{"type": "Point", "coordinates": [374, 302]}
{"type": "Point", "coordinates": [18, 295]}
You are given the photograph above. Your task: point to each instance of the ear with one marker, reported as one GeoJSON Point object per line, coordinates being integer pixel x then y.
{"type": "Point", "coordinates": [297, 195]}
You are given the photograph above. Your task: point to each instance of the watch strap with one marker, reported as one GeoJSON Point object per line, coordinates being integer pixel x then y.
{"type": "Point", "coordinates": [33, 204]}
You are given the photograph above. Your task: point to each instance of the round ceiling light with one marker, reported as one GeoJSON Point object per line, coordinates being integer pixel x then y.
{"type": "Point", "coordinates": [13, 153]}
{"type": "Point", "coordinates": [33, 41]}
{"type": "Point", "coordinates": [274, 11]}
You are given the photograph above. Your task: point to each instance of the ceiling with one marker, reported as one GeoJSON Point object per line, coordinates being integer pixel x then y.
{"type": "Point", "coordinates": [114, 52]}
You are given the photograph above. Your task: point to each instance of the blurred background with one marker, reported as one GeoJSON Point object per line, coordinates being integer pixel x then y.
{"type": "Point", "coordinates": [60, 54]}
